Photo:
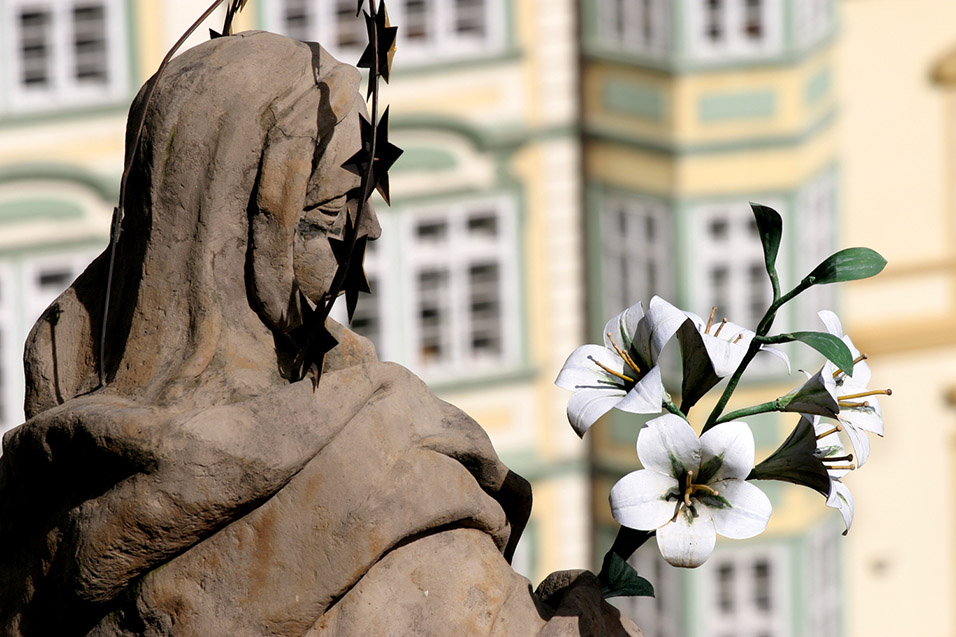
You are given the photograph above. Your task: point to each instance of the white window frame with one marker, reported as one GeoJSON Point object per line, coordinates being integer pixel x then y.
{"type": "Point", "coordinates": [816, 219]}
{"type": "Point", "coordinates": [813, 20]}
{"type": "Point", "coordinates": [622, 24]}
{"type": "Point", "coordinates": [64, 89]}
{"type": "Point", "coordinates": [458, 254]}
{"type": "Point", "coordinates": [744, 619]}
{"type": "Point", "coordinates": [446, 43]}
{"type": "Point", "coordinates": [631, 248]}
{"type": "Point", "coordinates": [735, 43]}
{"type": "Point", "coordinates": [741, 254]}
{"type": "Point", "coordinates": [823, 587]}
{"type": "Point", "coordinates": [394, 263]}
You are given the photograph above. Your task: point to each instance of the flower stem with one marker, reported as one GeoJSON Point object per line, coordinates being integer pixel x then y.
{"type": "Point", "coordinates": [669, 405]}
{"type": "Point", "coordinates": [762, 408]}
{"type": "Point", "coordinates": [762, 329]}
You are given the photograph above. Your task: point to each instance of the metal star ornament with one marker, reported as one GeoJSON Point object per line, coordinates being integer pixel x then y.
{"type": "Point", "coordinates": [386, 153]}
{"type": "Point", "coordinates": [381, 44]}
{"type": "Point", "coordinates": [350, 256]}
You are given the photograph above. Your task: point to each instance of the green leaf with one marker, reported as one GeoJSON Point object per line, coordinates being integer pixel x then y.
{"type": "Point", "coordinates": [848, 265]}
{"type": "Point", "coordinates": [770, 227]}
{"type": "Point", "coordinates": [829, 345]}
{"type": "Point", "coordinates": [622, 580]}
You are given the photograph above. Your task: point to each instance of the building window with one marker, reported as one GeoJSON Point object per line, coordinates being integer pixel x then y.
{"type": "Point", "coordinates": [63, 52]}
{"type": "Point", "coordinates": [728, 264]}
{"type": "Point", "coordinates": [452, 28]}
{"type": "Point", "coordinates": [734, 29]}
{"type": "Point", "coordinates": [660, 615]}
{"type": "Point", "coordinates": [447, 277]}
{"type": "Point", "coordinates": [813, 20]}
{"type": "Point", "coordinates": [635, 26]}
{"type": "Point", "coordinates": [636, 248]}
{"type": "Point", "coordinates": [823, 587]}
{"type": "Point", "coordinates": [745, 592]}
{"type": "Point", "coordinates": [816, 221]}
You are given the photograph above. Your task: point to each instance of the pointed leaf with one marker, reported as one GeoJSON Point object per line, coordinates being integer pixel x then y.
{"type": "Point", "coordinates": [622, 579]}
{"type": "Point", "coordinates": [829, 345]}
{"type": "Point", "coordinates": [770, 227]}
{"type": "Point", "coordinates": [848, 265]}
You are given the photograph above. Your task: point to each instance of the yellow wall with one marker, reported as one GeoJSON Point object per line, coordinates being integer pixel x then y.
{"type": "Point", "coordinates": [897, 146]}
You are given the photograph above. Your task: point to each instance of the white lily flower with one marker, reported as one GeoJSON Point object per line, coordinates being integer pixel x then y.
{"type": "Point", "coordinates": [838, 463]}
{"type": "Point", "coordinates": [711, 351]}
{"type": "Point", "coordinates": [692, 489]}
{"type": "Point", "coordinates": [859, 409]}
{"type": "Point", "coordinates": [623, 373]}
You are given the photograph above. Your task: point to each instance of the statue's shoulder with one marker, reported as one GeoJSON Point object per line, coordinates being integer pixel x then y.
{"type": "Point", "coordinates": [352, 349]}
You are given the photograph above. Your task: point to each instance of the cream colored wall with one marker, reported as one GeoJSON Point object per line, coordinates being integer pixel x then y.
{"type": "Point", "coordinates": [897, 172]}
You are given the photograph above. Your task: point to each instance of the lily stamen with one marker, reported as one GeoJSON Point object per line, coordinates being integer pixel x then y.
{"type": "Point", "coordinates": [832, 431]}
{"type": "Point", "coordinates": [720, 327]}
{"type": "Point", "coordinates": [843, 467]}
{"type": "Point", "coordinates": [846, 458]}
{"type": "Point", "coordinates": [691, 488]}
{"type": "Point", "coordinates": [739, 336]}
{"type": "Point", "coordinates": [624, 355]}
{"type": "Point", "coordinates": [872, 392]}
{"type": "Point", "coordinates": [861, 357]}
{"type": "Point", "coordinates": [611, 371]}
{"type": "Point", "coordinates": [848, 404]}
{"type": "Point", "coordinates": [687, 491]}
{"type": "Point", "coordinates": [710, 321]}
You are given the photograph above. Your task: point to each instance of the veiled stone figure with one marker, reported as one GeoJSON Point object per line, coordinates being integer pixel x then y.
{"type": "Point", "coordinates": [200, 492]}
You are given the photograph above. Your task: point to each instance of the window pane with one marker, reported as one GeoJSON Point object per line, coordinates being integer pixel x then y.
{"type": "Point", "coordinates": [416, 25]}
{"type": "Point", "coordinates": [35, 27]}
{"type": "Point", "coordinates": [297, 19]}
{"type": "Point", "coordinates": [432, 232]}
{"type": "Point", "coordinates": [762, 598]}
{"type": "Point", "coordinates": [432, 313]}
{"type": "Point", "coordinates": [350, 30]}
{"type": "Point", "coordinates": [89, 41]}
{"type": "Point", "coordinates": [470, 17]}
{"type": "Point", "coordinates": [483, 283]}
{"type": "Point", "coordinates": [753, 19]}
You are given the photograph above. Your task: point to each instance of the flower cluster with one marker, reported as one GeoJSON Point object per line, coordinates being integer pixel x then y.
{"type": "Point", "coordinates": [694, 487]}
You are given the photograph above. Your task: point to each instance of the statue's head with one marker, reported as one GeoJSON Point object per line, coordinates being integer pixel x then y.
{"type": "Point", "coordinates": [235, 190]}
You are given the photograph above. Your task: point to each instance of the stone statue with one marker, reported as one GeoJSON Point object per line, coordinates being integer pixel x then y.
{"type": "Point", "coordinates": [200, 492]}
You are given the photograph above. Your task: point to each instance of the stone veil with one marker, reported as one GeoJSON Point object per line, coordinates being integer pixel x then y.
{"type": "Point", "coordinates": [199, 491]}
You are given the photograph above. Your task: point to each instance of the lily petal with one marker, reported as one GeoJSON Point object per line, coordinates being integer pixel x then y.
{"type": "Point", "coordinates": [623, 327]}
{"type": "Point", "coordinates": [832, 322]}
{"type": "Point", "coordinates": [748, 513]}
{"type": "Point", "coordinates": [840, 498]}
{"type": "Point", "coordinates": [688, 541]}
{"type": "Point", "coordinates": [731, 446]}
{"type": "Point", "coordinates": [582, 369]}
{"type": "Point", "coordinates": [858, 438]}
{"type": "Point", "coordinates": [587, 405]}
{"type": "Point", "coordinates": [638, 500]}
{"type": "Point", "coordinates": [658, 327]}
{"type": "Point", "coordinates": [646, 397]}
{"type": "Point", "coordinates": [669, 445]}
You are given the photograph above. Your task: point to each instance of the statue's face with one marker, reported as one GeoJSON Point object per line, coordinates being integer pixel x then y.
{"type": "Point", "coordinates": [314, 261]}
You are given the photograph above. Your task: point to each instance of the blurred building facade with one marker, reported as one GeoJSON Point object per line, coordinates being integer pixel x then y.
{"type": "Point", "coordinates": [562, 161]}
